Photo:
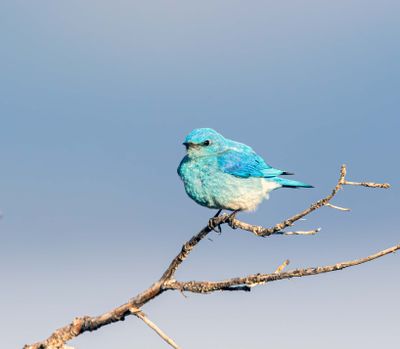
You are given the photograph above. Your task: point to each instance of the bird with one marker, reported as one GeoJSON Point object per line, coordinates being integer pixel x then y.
{"type": "Point", "coordinates": [223, 174]}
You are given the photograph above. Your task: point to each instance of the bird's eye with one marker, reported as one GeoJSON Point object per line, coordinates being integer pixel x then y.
{"type": "Point", "coordinates": [206, 143]}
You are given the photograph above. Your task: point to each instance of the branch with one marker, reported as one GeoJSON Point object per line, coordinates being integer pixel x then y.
{"type": "Point", "coordinates": [258, 279]}
{"type": "Point", "coordinates": [277, 229]}
{"type": "Point", "coordinates": [186, 249]}
{"type": "Point", "coordinates": [60, 337]}
{"type": "Point", "coordinates": [86, 323]}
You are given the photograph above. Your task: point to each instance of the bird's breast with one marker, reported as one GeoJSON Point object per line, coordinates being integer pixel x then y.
{"type": "Point", "coordinates": [206, 184]}
{"type": "Point", "coordinates": [200, 178]}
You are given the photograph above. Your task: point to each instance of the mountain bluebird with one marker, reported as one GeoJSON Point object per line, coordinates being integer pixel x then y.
{"type": "Point", "coordinates": [223, 174]}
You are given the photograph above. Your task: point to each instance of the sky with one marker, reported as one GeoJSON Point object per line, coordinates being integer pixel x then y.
{"type": "Point", "coordinates": [96, 98]}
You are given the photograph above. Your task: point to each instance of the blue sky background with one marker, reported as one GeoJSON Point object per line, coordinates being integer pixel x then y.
{"type": "Point", "coordinates": [95, 100]}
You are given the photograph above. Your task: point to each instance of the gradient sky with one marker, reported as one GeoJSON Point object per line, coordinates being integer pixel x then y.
{"type": "Point", "coordinates": [96, 98]}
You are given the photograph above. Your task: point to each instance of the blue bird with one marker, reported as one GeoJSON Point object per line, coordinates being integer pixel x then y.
{"type": "Point", "coordinates": [223, 174]}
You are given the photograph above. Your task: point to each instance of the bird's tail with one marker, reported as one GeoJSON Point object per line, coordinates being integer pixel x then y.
{"type": "Point", "coordinates": [287, 183]}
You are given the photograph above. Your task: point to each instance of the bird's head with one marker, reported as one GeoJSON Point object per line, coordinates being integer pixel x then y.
{"type": "Point", "coordinates": [204, 142]}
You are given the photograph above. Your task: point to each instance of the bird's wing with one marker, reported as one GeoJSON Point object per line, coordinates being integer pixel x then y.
{"type": "Point", "coordinates": [246, 164]}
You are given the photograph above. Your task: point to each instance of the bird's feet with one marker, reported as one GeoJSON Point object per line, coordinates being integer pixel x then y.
{"type": "Point", "coordinates": [231, 218]}
{"type": "Point", "coordinates": [213, 226]}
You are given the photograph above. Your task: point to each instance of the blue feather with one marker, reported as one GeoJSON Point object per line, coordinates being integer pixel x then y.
{"type": "Point", "coordinates": [245, 165]}
{"type": "Point", "coordinates": [287, 183]}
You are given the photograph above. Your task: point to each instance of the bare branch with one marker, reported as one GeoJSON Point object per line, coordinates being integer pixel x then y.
{"type": "Point", "coordinates": [60, 337]}
{"type": "Point", "coordinates": [137, 312]}
{"type": "Point", "coordinates": [257, 279]}
{"type": "Point", "coordinates": [79, 325]}
{"type": "Point", "coordinates": [186, 249]}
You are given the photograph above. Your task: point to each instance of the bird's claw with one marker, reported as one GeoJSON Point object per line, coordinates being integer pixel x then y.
{"type": "Point", "coordinates": [214, 227]}
{"type": "Point", "coordinates": [231, 219]}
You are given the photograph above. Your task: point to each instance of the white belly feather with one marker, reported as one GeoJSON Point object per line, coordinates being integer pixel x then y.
{"type": "Point", "coordinates": [247, 193]}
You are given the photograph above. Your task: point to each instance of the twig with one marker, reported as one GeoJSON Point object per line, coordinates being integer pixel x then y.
{"type": "Point", "coordinates": [282, 266]}
{"type": "Point", "coordinates": [137, 312]}
{"type": "Point", "coordinates": [337, 207]}
{"type": "Point", "coordinates": [368, 184]}
{"type": "Point", "coordinates": [300, 232]}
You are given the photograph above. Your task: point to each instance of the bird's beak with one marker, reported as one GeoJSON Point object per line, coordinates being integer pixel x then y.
{"type": "Point", "coordinates": [187, 144]}
{"type": "Point", "coordinates": [190, 145]}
